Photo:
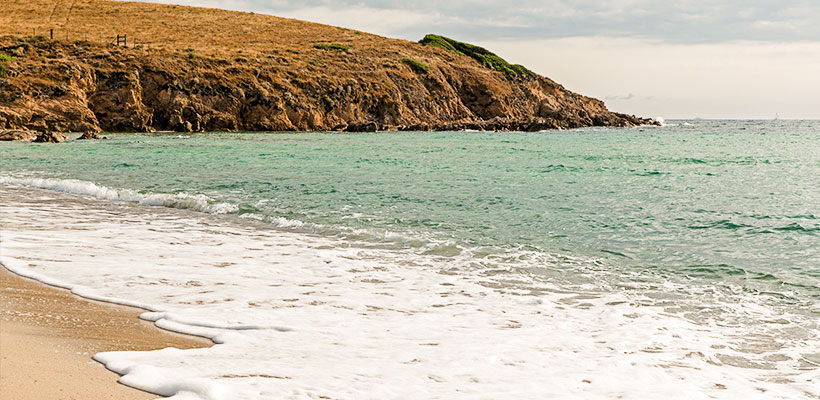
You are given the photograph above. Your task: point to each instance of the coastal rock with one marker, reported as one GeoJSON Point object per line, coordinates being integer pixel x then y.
{"type": "Point", "coordinates": [362, 127]}
{"type": "Point", "coordinates": [117, 103]}
{"type": "Point", "coordinates": [190, 82]}
{"type": "Point", "coordinates": [90, 136]}
{"type": "Point", "coordinates": [50, 137]}
{"type": "Point", "coordinates": [17, 135]}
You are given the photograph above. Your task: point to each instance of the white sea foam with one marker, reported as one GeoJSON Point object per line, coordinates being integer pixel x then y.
{"type": "Point", "coordinates": [256, 217]}
{"type": "Point", "coordinates": [283, 222]}
{"type": "Point", "coordinates": [304, 317]}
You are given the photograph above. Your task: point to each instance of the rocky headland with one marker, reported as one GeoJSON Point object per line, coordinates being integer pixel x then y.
{"type": "Point", "coordinates": [197, 69]}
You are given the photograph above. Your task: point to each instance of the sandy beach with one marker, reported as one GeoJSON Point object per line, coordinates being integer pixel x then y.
{"type": "Point", "coordinates": [48, 336]}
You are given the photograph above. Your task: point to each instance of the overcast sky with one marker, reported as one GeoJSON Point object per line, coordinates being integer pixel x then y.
{"type": "Point", "coordinates": [709, 59]}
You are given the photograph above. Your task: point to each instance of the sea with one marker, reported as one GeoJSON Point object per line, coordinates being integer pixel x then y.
{"type": "Point", "coordinates": [673, 262]}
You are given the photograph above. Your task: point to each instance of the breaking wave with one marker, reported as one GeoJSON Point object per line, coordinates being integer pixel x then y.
{"type": "Point", "coordinates": [182, 200]}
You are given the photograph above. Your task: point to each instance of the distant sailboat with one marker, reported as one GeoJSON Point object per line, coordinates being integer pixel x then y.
{"type": "Point", "coordinates": [776, 116]}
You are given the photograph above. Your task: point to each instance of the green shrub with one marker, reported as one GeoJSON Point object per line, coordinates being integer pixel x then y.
{"type": "Point", "coordinates": [191, 55]}
{"type": "Point", "coordinates": [415, 65]}
{"type": "Point", "coordinates": [4, 58]}
{"type": "Point", "coordinates": [440, 42]}
{"type": "Point", "coordinates": [480, 54]}
{"type": "Point", "coordinates": [332, 46]}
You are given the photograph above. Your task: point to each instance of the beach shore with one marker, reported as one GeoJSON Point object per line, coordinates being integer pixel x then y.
{"type": "Point", "coordinates": [48, 336]}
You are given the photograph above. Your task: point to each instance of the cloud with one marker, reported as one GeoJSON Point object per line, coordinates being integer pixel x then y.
{"type": "Point", "coordinates": [622, 97]}
{"type": "Point", "coordinates": [683, 21]}
{"type": "Point", "coordinates": [387, 22]}
{"type": "Point", "coordinates": [716, 59]}
{"type": "Point", "coordinates": [742, 79]}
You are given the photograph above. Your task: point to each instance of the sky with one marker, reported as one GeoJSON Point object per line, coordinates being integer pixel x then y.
{"type": "Point", "coordinates": [732, 59]}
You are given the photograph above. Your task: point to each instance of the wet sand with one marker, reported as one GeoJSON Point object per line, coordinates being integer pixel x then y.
{"type": "Point", "coordinates": [48, 336]}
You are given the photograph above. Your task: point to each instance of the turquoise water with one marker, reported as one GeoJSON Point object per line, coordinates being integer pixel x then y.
{"type": "Point", "coordinates": [659, 262]}
{"type": "Point", "coordinates": [728, 201]}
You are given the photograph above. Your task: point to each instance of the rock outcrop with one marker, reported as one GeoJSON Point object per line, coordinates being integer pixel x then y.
{"type": "Point", "coordinates": [50, 137]}
{"type": "Point", "coordinates": [90, 136]}
{"type": "Point", "coordinates": [294, 80]}
{"type": "Point", "coordinates": [17, 135]}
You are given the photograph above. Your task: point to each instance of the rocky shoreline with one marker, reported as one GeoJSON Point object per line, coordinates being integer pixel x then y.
{"type": "Point", "coordinates": [20, 135]}
{"type": "Point", "coordinates": [289, 84]}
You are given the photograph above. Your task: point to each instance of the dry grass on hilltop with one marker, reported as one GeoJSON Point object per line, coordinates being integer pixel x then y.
{"type": "Point", "coordinates": [206, 69]}
{"type": "Point", "coordinates": [205, 31]}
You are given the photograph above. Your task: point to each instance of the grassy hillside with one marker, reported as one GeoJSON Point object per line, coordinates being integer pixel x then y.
{"type": "Point", "coordinates": [202, 31]}
{"type": "Point", "coordinates": [207, 69]}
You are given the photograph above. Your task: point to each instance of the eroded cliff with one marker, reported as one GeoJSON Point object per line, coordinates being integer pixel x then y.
{"type": "Point", "coordinates": [307, 77]}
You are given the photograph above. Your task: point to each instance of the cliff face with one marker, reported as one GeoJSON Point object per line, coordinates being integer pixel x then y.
{"type": "Point", "coordinates": [327, 79]}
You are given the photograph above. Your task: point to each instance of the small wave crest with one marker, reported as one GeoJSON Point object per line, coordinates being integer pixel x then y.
{"type": "Point", "coordinates": [283, 222]}
{"type": "Point", "coordinates": [196, 202]}
{"type": "Point", "coordinates": [796, 227]}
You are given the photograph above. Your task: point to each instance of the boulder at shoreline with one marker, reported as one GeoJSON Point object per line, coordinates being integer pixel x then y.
{"type": "Point", "coordinates": [17, 135]}
{"type": "Point", "coordinates": [50, 137]}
